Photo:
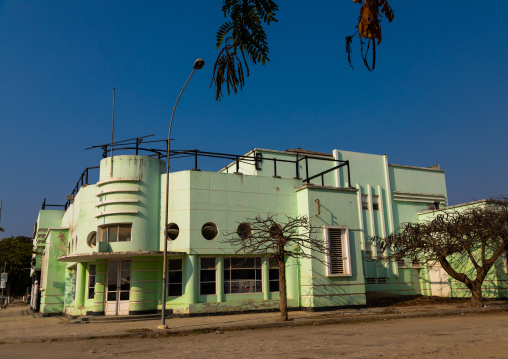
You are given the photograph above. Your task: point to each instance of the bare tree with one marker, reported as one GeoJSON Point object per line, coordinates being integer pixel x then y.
{"type": "Point", "coordinates": [264, 236]}
{"type": "Point", "coordinates": [459, 240]}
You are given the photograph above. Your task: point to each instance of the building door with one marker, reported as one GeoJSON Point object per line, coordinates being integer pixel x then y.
{"type": "Point", "coordinates": [439, 283]}
{"type": "Point", "coordinates": [118, 288]}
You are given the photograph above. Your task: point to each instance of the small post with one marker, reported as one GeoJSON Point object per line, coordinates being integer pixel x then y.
{"type": "Point", "coordinates": [275, 167]}
{"type": "Point", "coordinates": [86, 171]}
{"type": "Point", "coordinates": [307, 166]}
{"type": "Point", "coordinates": [237, 165]}
{"type": "Point", "coordinates": [112, 133]}
{"type": "Point", "coordinates": [195, 159]}
{"type": "Point", "coordinates": [348, 175]}
{"type": "Point", "coordinates": [297, 169]}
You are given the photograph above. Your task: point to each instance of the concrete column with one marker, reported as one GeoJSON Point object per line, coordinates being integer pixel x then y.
{"type": "Point", "coordinates": [220, 279]}
{"type": "Point", "coordinates": [266, 284]}
{"type": "Point", "coordinates": [191, 278]}
{"type": "Point", "coordinates": [100, 288]}
{"type": "Point", "coordinates": [80, 285]}
{"type": "Point", "coordinates": [292, 278]}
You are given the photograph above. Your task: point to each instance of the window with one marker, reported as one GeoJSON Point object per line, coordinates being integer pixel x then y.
{"type": "Point", "coordinates": [370, 280]}
{"type": "Point", "coordinates": [365, 201]}
{"type": "Point", "coordinates": [375, 203]}
{"type": "Point", "coordinates": [382, 280]}
{"type": "Point", "coordinates": [276, 230]}
{"type": "Point", "coordinates": [115, 232]}
{"type": "Point", "coordinates": [244, 230]}
{"type": "Point", "coordinates": [175, 277]}
{"type": "Point", "coordinates": [273, 275]}
{"type": "Point", "coordinates": [242, 275]}
{"type": "Point", "coordinates": [91, 240]}
{"type": "Point", "coordinates": [173, 231]}
{"type": "Point", "coordinates": [401, 262]}
{"type": "Point", "coordinates": [209, 230]}
{"type": "Point", "coordinates": [337, 259]}
{"type": "Point", "coordinates": [207, 276]}
{"type": "Point", "coordinates": [91, 281]}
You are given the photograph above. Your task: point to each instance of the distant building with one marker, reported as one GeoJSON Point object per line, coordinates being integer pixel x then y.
{"type": "Point", "coordinates": [102, 253]}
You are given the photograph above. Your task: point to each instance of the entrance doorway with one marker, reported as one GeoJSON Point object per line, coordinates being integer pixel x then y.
{"type": "Point", "coordinates": [439, 283]}
{"type": "Point", "coordinates": [118, 288]}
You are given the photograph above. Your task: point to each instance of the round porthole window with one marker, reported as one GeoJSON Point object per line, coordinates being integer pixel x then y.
{"type": "Point", "coordinates": [244, 230]}
{"type": "Point", "coordinates": [209, 230]}
{"type": "Point", "coordinates": [173, 231]}
{"type": "Point", "coordinates": [276, 230]}
{"type": "Point", "coordinates": [91, 240]}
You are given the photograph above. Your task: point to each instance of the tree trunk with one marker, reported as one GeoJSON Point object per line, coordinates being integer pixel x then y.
{"type": "Point", "coordinates": [282, 291]}
{"type": "Point", "coordinates": [476, 295]}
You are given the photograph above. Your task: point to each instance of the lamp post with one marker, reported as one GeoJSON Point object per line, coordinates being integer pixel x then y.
{"type": "Point", "coordinates": [198, 64]}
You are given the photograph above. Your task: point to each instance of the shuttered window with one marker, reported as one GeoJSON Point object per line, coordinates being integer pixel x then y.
{"type": "Point", "coordinates": [338, 260]}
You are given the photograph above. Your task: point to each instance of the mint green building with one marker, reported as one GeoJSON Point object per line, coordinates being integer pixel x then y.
{"type": "Point", "coordinates": [102, 254]}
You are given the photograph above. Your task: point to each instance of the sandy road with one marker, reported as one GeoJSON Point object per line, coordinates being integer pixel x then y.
{"type": "Point", "coordinates": [465, 336]}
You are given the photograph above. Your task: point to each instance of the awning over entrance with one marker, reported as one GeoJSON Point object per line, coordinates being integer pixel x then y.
{"type": "Point", "coordinates": [90, 257]}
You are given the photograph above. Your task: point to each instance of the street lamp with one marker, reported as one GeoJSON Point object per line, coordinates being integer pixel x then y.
{"type": "Point", "coordinates": [198, 64]}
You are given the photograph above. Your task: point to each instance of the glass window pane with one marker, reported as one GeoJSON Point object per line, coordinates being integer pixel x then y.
{"type": "Point", "coordinates": [258, 273]}
{"type": "Point", "coordinates": [126, 284]}
{"type": "Point", "coordinates": [208, 276]}
{"type": "Point", "coordinates": [208, 263]}
{"type": "Point", "coordinates": [124, 232]}
{"type": "Point", "coordinates": [258, 262]}
{"type": "Point", "coordinates": [273, 274]}
{"type": "Point", "coordinates": [175, 264]}
{"type": "Point", "coordinates": [235, 287]}
{"type": "Point", "coordinates": [104, 232]}
{"type": "Point", "coordinates": [259, 286]}
{"type": "Point", "coordinates": [113, 233]}
{"type": "Point", "coordinates": [227, 288]}
{"type": "Point", "coordinates": [242, 262]}
{"type": "Point", "coordinates": [91, 269]}
{"type": "Point", "coordinates": [274, 286]}
{"type": "Point", "coordinates": [273, 263]}
{"type": "Point", "coordinates": [175, 277]}
{"type": "Point", "coordinates": [111, 296]}
{"type": "Point", "coordinates": [91, 281]}
{"type": "Point", "coordinates": [112, 275]}
{"type": "Point", "coordinates": [207, 288]}
{"type": "Point", "coordinates": [124, 295]}
{"type": "Point", "coordinates": [227, 263]}
{"type": "Point", "coordinates": [91, 293]}
{"type": "Point", "coordinates": [227, 275]}
{"type": "Point", "coordinates": [175, 290]}
{"type": "Point", "coordinates": [126, 266]}
{"type": "Point", "coordinates": [243, 274]}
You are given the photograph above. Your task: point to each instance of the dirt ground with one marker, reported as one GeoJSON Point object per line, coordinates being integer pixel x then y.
{"type": "Point", "coordinates": [465, 336]}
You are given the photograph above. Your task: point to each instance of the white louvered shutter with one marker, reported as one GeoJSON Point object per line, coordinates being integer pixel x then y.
{"type": "Point", "coordinates": [336, 251]}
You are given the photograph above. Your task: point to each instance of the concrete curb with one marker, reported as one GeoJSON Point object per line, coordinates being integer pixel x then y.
{"type": "Point", "coordinates": [219, 329]}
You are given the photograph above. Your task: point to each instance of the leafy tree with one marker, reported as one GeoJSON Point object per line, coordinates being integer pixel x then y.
{"type": "Point", "coordinates": [17, 253]}
{"type": "Point", "coordinates": [266, 237]}
{"type": "Point", "coordinates": [243, 38]}
{"type": "Point", "coordinates": [460, 240]}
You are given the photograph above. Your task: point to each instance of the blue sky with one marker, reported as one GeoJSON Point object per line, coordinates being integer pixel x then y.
{"type": "Point", "coordinates": [438, 94]}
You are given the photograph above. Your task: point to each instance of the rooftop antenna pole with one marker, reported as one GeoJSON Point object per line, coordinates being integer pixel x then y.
{"type": "Point", "coordinates": [112, 133]}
